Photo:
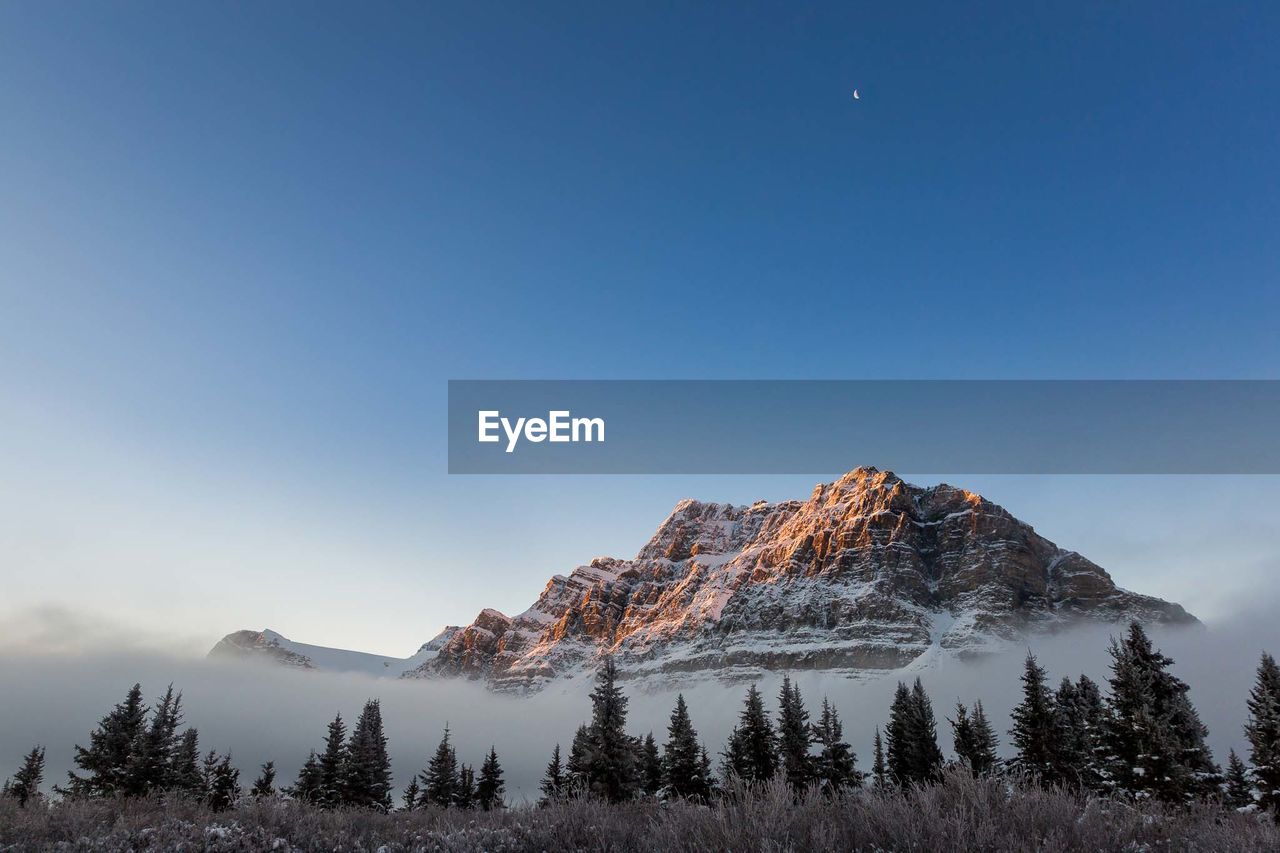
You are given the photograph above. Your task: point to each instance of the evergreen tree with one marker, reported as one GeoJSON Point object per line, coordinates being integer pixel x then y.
{"type": "Point", "coordinates": [878, 772]}
{"type": "Point", "coordinates": [150, 765]}
{"type": "Point", "coordinates": [465, 795]}
{"type": "Point", "coordinates": [333, 764]}
{"type": "Point", "coordinates": [411, 795]}
{"type": "Point", "coordinates": [107, 759]}
{"type": "Point", "coordinates": [983, 759]}
{"type": "Point", "coordinates": [1091, 713]}
{"type": "Point", "coordinates": [224, 785]}
{"type": "Point", "coordinates": [440, 779]}
{"type": "Point", "coordinates": [576, 766]}
{"type": "Point", "coordinates": [1237, 793]}
{"type": "Point", "coordinates": [554, 784]}
{"type": "Point", "coordinates": [490, 789]}
{"type": "Point", "coordinates": [1154, 738]}
{"type": "Point", "coordinates": [265, 784]}
{"type": "Point", "coordinates": [25, 785]}
{"type": "Point", "coordinates": [962, 737]}
{"type": "Point", "coordinates": [913, 756]}
{"type": "Point", "coordinates": [650, 767]}
{"type": "Point", "coordinates": [752, 751]}
{"type": "Point", "coordinates": [1263, 733]}
{"type": "Point", "coordinates": [705, 786]}
{"type": "Point", "coordinates": [609, 764]}
{"type": "Point", "coordinates": [187, 778]}
{"type": "Point", "coordinates": [367, 768]}
{"type": "Point", "coordinates": [836, 766]}
{"type": "Point", "coordinates": [681, 758]}
{"type": "Point", "coordinates": [309, 785]}
{"type": "Point", "coordinates": [1035, 733]}
{"type": "Point", "coordinates": [794, 736]}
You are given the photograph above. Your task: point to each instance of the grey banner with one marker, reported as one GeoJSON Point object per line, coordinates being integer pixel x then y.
{"type": "Point", "coordinates": [815, 427]}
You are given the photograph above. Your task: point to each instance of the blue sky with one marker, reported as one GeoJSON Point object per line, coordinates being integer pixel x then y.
{"type": "Point", "coordinates": [242, 248]}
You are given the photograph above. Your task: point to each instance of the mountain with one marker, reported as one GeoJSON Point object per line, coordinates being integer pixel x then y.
{"type": "Point", "coordinates": [275, 648]}
{"type": "Point", "coordinates": [867, 575]}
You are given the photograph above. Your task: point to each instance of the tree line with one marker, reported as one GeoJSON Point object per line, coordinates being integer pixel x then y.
{"type": "Point", "coordinates": [1142, 738]}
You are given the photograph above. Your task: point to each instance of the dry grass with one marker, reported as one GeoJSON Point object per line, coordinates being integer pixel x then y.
{"type": "Point", "coordinates": [961, 814]}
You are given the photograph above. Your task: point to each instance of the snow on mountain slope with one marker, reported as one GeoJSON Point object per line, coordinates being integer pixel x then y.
{"type": "Point", "coordinates": [870, 574]}
{"type": "Point", "coordinates": [267, 645]}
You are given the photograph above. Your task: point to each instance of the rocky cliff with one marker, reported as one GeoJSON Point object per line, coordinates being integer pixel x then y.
{"type": "Point", "coordinates": [869, 574]}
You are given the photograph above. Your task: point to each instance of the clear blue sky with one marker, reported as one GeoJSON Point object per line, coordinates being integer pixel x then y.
{"type": "Point", "coordinates": [242, 247]}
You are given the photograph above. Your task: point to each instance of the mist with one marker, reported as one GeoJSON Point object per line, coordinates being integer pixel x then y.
{"type": "Point", "coordinates": [261, 712]}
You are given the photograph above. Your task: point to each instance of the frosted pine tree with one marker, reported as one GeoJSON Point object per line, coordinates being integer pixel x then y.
{"type": "Point", "coordinates": [333, 765]}
{"type": "Point", "coordinates": [879, 774]}
{"type": "Point", "coordinates": [440, 779]}
{"type": "Point", "coordinates": [1263, 733]}
{"type": "Point", "coordinates": [1154, 738]}
{"type": "Point", "coordinates": [307, 787]}
{"type": "Point", "coordinates": [106, 760]}
{"type": "Point", "coordinates": [554, 785]}
{"type": "Point", "coordinates": [367, 772]}
{"type": "Point", "coordinates": [681, 756]}
{"type": "Point", "coordinates": [752, 751]}
{"type": "Point", "coordinates": [490, 788]}
{"type": "Point", "coordinates": [265, 785]}
{"type": "Point", "coordinates": [650, 767]}
{"type": "Point", "coordinates": [224, 785]}
{"type": "Point", "coordinates": [794, 736]}
{"type": "Point", "coordinates": [412, 793]}
{"type": "Point", "coordinates": [609, 763]}
{"type": "Point", "coordinates": [25, 784]}
{"type": "Point", "coordinates": [1034, 732]}
{"type": "Point", "coordinates": [1237, 792]}
{"type": "Point", "coordinates": [464, 795]}
{"type": "Point", "coordinates": [836, 765]}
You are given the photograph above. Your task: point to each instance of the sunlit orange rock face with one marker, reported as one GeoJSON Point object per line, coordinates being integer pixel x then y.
{"type": "Point", "coordinates": [866, 575]}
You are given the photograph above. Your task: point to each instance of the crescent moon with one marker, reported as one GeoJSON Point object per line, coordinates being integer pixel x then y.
{"type": "Point", "coordinates": [855, 95]}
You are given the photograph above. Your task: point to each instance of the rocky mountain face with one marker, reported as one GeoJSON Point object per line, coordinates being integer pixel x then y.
{"type": "Point", "coordinates": [867, 575]}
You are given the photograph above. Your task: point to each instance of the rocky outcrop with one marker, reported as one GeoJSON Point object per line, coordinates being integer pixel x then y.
{"type": "Point", "coordinates": [868, 574]}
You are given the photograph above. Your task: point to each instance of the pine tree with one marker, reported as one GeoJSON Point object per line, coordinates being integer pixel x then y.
{"type": "Point", "coordinates": [265, 784]}
{"type": "Point", "coordinates": [309, 785]}
{"type": "Point", "coordinates": [111, 748]}
{"type": "Point", "coordinates": [25, 785]}
{"type": "Point", "coordinates": [1034, 732]}
{"type": "Point", "coordinates": [1263, 733]}
{"type": "Point", "coordinates": [440, 779]}
{"type": "Point", "coordinates": [752, 751]}
{"type": "Point", "coordinates": [681, 758]}
{"type": "Point", "coordinates": [878, 772]}
{"type": "Point", "coordinates": [1154, 738]}
{"type": "Point", "coordinates": [150, 766]}
{"type": "Point", "coordinates": [650, 767]}
{"type": "Point", "coordinates": [224, 785]}
{"type": "Point", "coordinates": [465, 794]}
{"type": "Point", "coordinates": [576, 766]}
{"type": "Point", "coordinates": [554, 785]}
{"type": "Point", "coordinates": [333, 764]}
{"type": "Point", "coordinates": [187, 778]}
{"type": "Point", "coordinates": [367, 770]}
{"type": "Point", "coordinates": [983, 759]}
{"type": "Point", "coordinates": [913, 756]}
{"type": "Point", "coordinates": [490, 789]}
{"type": "Point", "coordinates": [836, 767]}
{"type": "Point", "coordinates": [411, 794]}
{"type": "Point", "coordinates": [704, 789]}
{"type": "Point", "coordinates": [1237, 793]}
{"type": "Point", "coordinates": [1088, 722]}
{"type": "Point", "coordinates": [794, 736]}
{"type": "Point", "coordinates": [609, 764]}
{"type": "Point", "coordinates": [962, 737]}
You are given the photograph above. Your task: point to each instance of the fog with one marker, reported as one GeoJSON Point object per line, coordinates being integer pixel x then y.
{"type": "Point", "coordinates": [261, 712]}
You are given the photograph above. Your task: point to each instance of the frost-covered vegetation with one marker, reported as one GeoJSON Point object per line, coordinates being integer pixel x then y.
{"type": "Point", "coordinates": [1127, 768]}
{"type": "Point", "coordinates": [959, 813]}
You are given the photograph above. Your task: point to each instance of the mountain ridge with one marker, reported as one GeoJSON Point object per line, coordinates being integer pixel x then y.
{"type": "Point", "coordinates": [867, 575]}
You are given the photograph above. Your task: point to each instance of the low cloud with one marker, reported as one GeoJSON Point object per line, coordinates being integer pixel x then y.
{"type": "Point", "coordinates": [62, 672]}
